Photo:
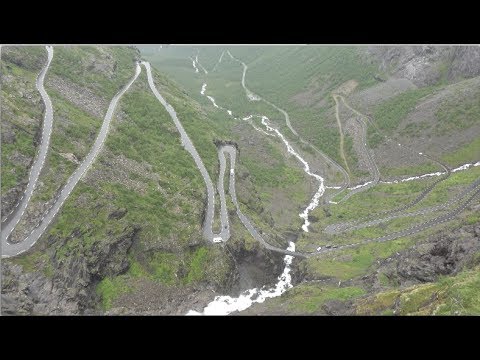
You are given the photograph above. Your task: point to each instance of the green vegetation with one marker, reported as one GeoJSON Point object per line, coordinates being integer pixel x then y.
{"type": "Point", "coordinates": [379, 198]}
{"type": "Point", "coordinates": [198, 264]}
{"type": "Point", "coordinates": [350, 263]}
{"type": "Point", "coordinates": [79, 65]}
{"type": "Point", "coordinates": [448, 188]}
{"type": "Point", "coordinates": [308, 299]}
{"type": "Point", "coordinates": [15, 173]}
{"type": "Point", "coordinates": [458, 113]}
{"type": "Point", "coordinates": [414, 170]}
{"type": "Point", "coordinates": [31, 262]}
{"type": "Point", "coordinates": [453, 295]}
{"type": "Point", "coordinates": [468, 153]}
{"type": "Point", "coordinates": [205, 264]}
{"type": "Point", "coordinates": [21, 115]}
{"type": "Point", "coordinates": [388, 115]}
{"type": "Point", "coordinates": [111, 288]}
{"type": "Point", "coordinates": [278, 175]}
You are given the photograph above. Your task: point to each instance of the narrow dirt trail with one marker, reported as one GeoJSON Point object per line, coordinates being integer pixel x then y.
{"type": "Point", "coordinates": [372, 168]}
{"type": "Point", "coordinates": [342, 140]}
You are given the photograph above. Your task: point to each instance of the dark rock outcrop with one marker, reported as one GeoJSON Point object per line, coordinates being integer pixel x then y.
{"type": "Point", "coordinates": [442, 254]}
{"type": "Point", "coordinates": [71, 290]}
{"type": "Point", "coordinates": [425, 65]}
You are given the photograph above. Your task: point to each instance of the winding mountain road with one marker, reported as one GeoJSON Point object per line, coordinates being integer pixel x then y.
{"type": "Point", "coordinates": [400, 209]}
{"type": "Point", "coordinates": [188, 145]}
{"type": "Point", "coordinates": [11, 220]}
{"type": "Point", "coordinates": [372, 166]}
{"type": "Point", "coordinates": [231, 151]}
{"type": "Point", "coordinates": [224, 234]}
{"type": "Point", "coordinates": [344, 227]}
{"type": "Point", "coordinates": [414, 229]}
{"type": "Point", "coordinates": [376, 178]}
{"type": "Point", "coordinates": [251, 95]}
{"type": "Point", "coordinates": [9, 249]}
{"type": "Point", "coordinates": [339, 122]}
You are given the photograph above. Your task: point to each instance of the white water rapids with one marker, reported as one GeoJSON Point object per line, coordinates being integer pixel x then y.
{"type": "Point", "coordinates": [439, 173]}
{"type": "Point", "coordinates": [194, 65]}
{"type": "Point", "coordinates": [306, 167]}
{"type": "Point", "coordinates": [224, 305]}
{"type": "Point", "coordinates": [272, 131]}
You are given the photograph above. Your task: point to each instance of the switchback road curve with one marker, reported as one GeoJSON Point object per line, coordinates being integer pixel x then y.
{"type": "Point", "coordinates": [9, 249]}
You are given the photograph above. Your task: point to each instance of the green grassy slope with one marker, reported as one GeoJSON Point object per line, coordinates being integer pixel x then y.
{"type": "Point", "coordinates": [21, 109]}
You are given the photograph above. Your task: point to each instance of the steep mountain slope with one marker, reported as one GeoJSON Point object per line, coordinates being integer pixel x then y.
{"type": "Point", "coordinates": [132, 225]}
{"type": "Point", "coordinates": [405, 112]}
{"type": "Point", "coordinates": [129, 239]}
{"type": "Point", "coordinates": [21, 110]}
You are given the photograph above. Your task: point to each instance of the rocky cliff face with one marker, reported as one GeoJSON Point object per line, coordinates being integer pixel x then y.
{"type": "Point", "coordinates": [442, 254]}
{"type": "Point", "coordinates": [426, 65]}
{"type": "Point", "coordinates": [69, 288]}
{"type": "Point", "coordinates": [117, 215]}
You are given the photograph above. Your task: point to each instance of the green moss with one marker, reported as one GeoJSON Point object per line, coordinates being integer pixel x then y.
{"type": "Point", "coordinates": [164, 268]}
{"type": "Point", "coordinates": [30, 262]}
{"type": "Point", "coordinates": [450, 295]}
{"type": "Point", "coordinates": [309, 299]}
{"type": "Point", "coordinates": [378, 303]}
{"type": "Point", "coordinates": [350, 263]}
{"type": "Point", "coordinates": [198, 263]}
{"type": "Point", "coordinates": [109, 289]}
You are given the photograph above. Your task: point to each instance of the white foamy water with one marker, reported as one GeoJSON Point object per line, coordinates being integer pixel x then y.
{"type": "Point", "coordinates": [213, 101]}
{"type": "Point", "coordinates": [248, 118]}
{"type": "Point", "coordinates": [194, 65]}
{"type": "Point", "coordinates": [198, 63]}
{"type": "Point", "coordinates": [253, 97]}
{"type": "Point", "coordinates": [306, 167]}
{"type": "Point", "coordinates": [333, 187]}
{"type": "Point", "coordinates": [439, 173]}
{"type": "Point", "coordinates": [360, 186]}
{"type": "Point", "coordinates": [321, 189]}
{"type": "Point", "coordinates": [466, 166]}
{"type": "Point", "coordinates": [224, 305]}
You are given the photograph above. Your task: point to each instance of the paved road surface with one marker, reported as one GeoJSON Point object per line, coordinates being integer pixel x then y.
{"type": "Point", "coordinates": [12, 219]}
{"type": "Point", "coordinates": [188, 145]}
{"type": "Point", "coordinates": [9, 249]}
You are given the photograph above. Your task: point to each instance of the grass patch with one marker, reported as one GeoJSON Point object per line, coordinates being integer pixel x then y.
{"type": "Point", "coordinates": [307, 299]}
{"type": "Point", "coordinates": [391, 112]}
{"type": "Point", "coordinates": [468, 153]}
{"type": "Point", "coordinates": [109, 289]}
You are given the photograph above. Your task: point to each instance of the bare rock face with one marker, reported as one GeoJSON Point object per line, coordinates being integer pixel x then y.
{"type": "Point", "coordinates": [337, 307]}
{"type": "Point", "coordinates": [465, 63]}
{"type": "Point", "coordinates": [80, 96]}
{"type": "Point", "coordinates": [10, 198]}
{"type": "Point", "coordinates": [71, 290]}
{"type": "Point", "coordinates": [425, 65]}
{"type": "Point", "coordinates": [443, 254]}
